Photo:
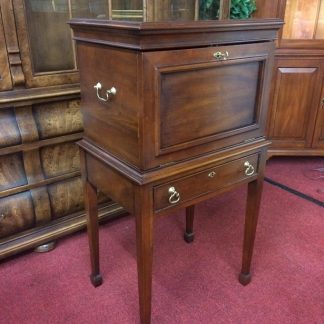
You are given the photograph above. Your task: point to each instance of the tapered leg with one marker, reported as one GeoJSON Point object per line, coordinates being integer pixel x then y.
{"type": "Point", "coordinates": [189, 235]}
{"type": "Point", "coordinates": [144, 240]}
{"type": "Point", "coordinates": [251, 220]}
{"type": "Point", "coordinates": [90, 194]}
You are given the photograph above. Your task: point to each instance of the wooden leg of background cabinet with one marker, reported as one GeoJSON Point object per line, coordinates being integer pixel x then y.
{"type": "Point", "coordinates": [144, 240]}
{"type": "Point", "coordinates": [251, 220]}
{"type": "Point", "coordinates": [189, 235]}
{"type": "Point", "coordinates": [91, 206]}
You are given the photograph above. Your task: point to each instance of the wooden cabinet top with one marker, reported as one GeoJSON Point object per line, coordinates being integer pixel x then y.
{"type": "Point", "coordinates": [175, 34]}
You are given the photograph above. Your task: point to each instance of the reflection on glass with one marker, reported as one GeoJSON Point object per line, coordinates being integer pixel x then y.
{"type": "Point", "coordinates": [127, 10]}
{"type": "Point", "coordinates": [209, 9]}
{"type": "Point", "coordinates": [50, 37]}
{"type": "Point", "coordinates": [89, 9]}
{"type": "Point", "coordinates": [301, 19]}
{"type": "Point", "coordinates": [173, 10]}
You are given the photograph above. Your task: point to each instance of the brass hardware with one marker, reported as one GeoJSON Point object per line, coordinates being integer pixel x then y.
{"type": "Point", "coordinates": [322, 103]}
{"type": "Point", "coordinates": [211, 174]}
{"type": "Point", "coordinates": [174, 195]}
{"type": "Point", "coordinates": [221, 56]}
{"type": "Point", "coordinates": [2, 217]}
{"type": "Point", "coordinates": [249, 168]}
{"type": "Point", "coordinates": [109, 93]}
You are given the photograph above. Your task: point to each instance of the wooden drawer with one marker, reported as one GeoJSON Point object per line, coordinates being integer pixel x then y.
{"type": "Point", "coordinates": [16, 214]}
{"type": "Point", "coordinates": [202, 183]}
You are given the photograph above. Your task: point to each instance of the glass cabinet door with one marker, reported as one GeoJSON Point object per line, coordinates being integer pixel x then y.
{"type": "Point", "coordinates": [47, 38]}
{"type": "Point", "coordinates": [49, 35]}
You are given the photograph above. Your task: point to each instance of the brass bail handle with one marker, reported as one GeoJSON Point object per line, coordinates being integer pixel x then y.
{"type": "Point", "coordinates": [221, 56]}
{"type": "Point", "coordinates": [249, 168]}
{"type": "Point", "coordinates": [174, 196]}
{"type": "Point", "coordinates": [109, 93]}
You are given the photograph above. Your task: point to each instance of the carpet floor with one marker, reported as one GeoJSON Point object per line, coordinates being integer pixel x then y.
{"type": "Point", "coordinates": [195, 283]}
{"type": "Point", "coordinates": [304, 175]}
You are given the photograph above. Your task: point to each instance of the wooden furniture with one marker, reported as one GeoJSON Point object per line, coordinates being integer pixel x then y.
{"type": "Point", "coordinates": [296, 121]}
{"type": "Point", "coordinates": [174, 113]}
{"type": "Point", "coordinates": [41, 195]}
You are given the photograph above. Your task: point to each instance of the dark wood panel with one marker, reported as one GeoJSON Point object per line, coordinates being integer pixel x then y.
{"type": "Point", "coordinates": [66, 197]}
{"type": "Point", "coordinates": [12, 173]}
{"type": "Point", "coordinates": [5, 77]}
{"type": "Point", "coordinates": [58, 118]}
{"type": "Point", "coordinates": [116, 118]}
{"type": "Point", "coordinates": [293, 103]}
{"type": "Point", "coordinates": [9, 132]}
{"type": "Point", "coordinates": [197, 95]}
{"type": "Point", "coordinates": [16, 214]}
{"type": "Point", "coordinates": [116, 188]}
{"type": "Point", "coordinates": [60, 159]}
{"type": "Point", "coordinates": [293, 109]}
{"type": "Point", "coordinates": [318, 140]}
{"type": "Point", "coordinates": [175, 133]}
{"type": "Point", "coordinates": [13, 50]}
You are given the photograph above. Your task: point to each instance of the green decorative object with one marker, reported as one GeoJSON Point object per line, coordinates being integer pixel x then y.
{"type": "Point", "coordinates": [242, 9]}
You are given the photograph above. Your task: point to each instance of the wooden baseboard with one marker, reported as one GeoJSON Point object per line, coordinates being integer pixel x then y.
{"type": "Point", "coordinates": [295, 152]}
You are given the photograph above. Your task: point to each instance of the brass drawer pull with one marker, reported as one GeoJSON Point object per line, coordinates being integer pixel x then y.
{"type": "Point", "coordinates": [211, 174]}
{"type": "Point", "coordinates": [174, 196]}
{"type": "Point", "coordinates": [2, 217]}
{"type": "Point", "coordinates": [221, 56]}
{"type": "Point", "coordinates": [109, 93]}
{"type": "Point", "coordinates": [322, 103]}
{"type": "Point", "coordinates": [249, 168]}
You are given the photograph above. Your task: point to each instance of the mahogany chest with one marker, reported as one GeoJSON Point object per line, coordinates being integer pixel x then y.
{"type": "Point", "coordinates": [173, 113]}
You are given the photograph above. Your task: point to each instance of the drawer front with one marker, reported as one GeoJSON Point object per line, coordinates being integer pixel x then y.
{"type": "Point", "coordinates": [16, 214]}
{"type": "Point", "coordinates": [207, 181]}
{"type": "Point", "coordinates": [205, 99]}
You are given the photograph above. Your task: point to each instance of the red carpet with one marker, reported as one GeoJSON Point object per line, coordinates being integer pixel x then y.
{"type": "Point", "coordinates": [191, 283]}
{"type": "Point", "coordinates": [304, 174]}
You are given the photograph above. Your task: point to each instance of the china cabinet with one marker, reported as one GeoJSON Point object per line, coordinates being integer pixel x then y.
{"type": "Point", "coordinates": [41, 195]}
{"type": "Point", "coordinates": [183, 122]}
{"type": "Point", "coordinates": [296, 121]}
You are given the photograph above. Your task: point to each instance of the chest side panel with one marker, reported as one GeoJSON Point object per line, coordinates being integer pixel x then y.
{"type": "Point", "coordinates": [112, 124]}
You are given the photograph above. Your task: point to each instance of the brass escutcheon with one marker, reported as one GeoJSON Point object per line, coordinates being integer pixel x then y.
{"type": "Point", "coordinates": [221, 56]}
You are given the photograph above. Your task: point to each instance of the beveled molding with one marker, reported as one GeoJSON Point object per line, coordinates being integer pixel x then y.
{"type": "Point", "coordinates": [25, 97]}
{"type": "Point", "coordinates": [152, 35]}
{"type": "Point", "coordinates": [140, 177]}
{"type": "Point", "coordinates": [35, 237]}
